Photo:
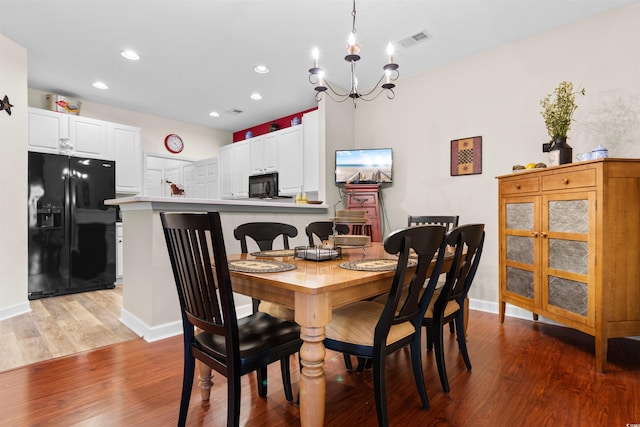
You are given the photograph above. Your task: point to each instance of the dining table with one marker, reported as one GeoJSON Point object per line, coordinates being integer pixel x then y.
{"type": "Point", "coordinates": [313, 288]}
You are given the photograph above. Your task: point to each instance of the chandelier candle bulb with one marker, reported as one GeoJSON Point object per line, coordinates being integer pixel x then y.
{"type": "Point", "coordinates": [316, 54]}
{"type": "Point", "coordinates": [390, 53]}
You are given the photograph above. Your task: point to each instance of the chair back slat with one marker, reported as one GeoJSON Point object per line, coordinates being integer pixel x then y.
{"type": "Point", "coordinates": [468, 241]}
{"type": "Point", "coordinates": [449, 221]}
{"type": "Point", "coordinates": [427, 241]}
{"type": "Point", "coordinates": [205, 298]}
{"type": "Point", "coordinates": [264, 233]}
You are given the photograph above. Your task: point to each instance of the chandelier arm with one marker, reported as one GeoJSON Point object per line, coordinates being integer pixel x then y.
{"type": "Point", "coordinates": [336, 92]}
{"type": "Point", "coordinates": [362, 95]}
{"type": "Point", "coordinates": [342, 98]}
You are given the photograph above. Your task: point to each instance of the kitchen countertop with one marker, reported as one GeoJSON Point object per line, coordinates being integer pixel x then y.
{"type": "Point", "coordinates": [229, 205]}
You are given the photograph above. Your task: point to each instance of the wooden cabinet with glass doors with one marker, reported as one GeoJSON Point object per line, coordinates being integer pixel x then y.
{"type": "Point", "coordinates": [569, 245]}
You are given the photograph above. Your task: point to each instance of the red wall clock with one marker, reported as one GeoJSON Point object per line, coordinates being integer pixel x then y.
{"type": "Point", "coordinates": [173, 143]}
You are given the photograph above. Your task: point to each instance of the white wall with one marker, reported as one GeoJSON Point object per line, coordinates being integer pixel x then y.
{"type": "Point", "coordinates": [13, 181]}
{"type": "Point", "coordinates": [199, 142]}
{"type": "Point", "coordinates": [496, 95]}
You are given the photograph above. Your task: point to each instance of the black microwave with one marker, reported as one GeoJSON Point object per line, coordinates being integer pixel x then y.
{"type": "Point", "coordinates": [264, 186]}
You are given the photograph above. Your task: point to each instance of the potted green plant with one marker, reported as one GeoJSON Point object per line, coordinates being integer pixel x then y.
{"type": "Point", "coordinates": [557, 109]}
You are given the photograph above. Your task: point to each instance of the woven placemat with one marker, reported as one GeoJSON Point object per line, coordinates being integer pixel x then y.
{"type": "Point", "coordinates": [274, 252]}
{"type": "Point", "coordinates": [374, 264]}
{"type": "Point", "coordinates": [259, 266]}
{"type": "Point", "coordinates": [446, 255]}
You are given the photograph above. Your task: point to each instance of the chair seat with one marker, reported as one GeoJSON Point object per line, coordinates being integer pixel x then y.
{"type": "Point", "coordinates": [257, 337]}
{"type": "Point", "coordinates": [277, 310]}
{"type": "Point", "coordinates": [452, 306]}
{"type": "Point", "coordinates": [355, 323]}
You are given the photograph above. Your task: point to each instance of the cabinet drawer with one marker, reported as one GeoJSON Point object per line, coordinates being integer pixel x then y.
{"type": "Point", "coordinates": [576, 179]}
{"type": "Point", "coordinates": [523, 185]}
{"type": "Point", "coordinates": [362, 199]}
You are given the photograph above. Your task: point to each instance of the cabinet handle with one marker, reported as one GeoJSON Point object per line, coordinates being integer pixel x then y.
{"type": "Point", "coordinates": [534, 234]}
{"type": "Point", "coordinates": [544, 235]}
{"type": "Point", "coordinates": [565, 181]}
{"type": "Point", "coordinates": [517, 186]}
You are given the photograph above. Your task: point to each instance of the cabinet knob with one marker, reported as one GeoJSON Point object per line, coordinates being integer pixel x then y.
{"type": "Point", "coordinates": [565, 181]}
{"type": "Point", "coordinates": [544, 235]}
{"type": "Point", "coordinates": [517, 186]}
{"type": "Point", "coordinates": [534, 234]}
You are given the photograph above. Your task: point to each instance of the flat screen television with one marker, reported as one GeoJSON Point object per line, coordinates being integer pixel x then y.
{"type": "Point", "coordinates": [364, 166]}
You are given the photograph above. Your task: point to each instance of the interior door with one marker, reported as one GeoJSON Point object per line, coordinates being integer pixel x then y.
{"type": "Point", "coordinates": [153, 183]}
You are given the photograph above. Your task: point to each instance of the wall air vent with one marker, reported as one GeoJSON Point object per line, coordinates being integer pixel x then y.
{"type": "Point", "coordinates": [414, 39]}
{"type": "Point", "coordinates": [234, 112]}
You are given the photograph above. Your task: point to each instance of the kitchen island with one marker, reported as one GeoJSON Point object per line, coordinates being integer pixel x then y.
{"type": "Point", "coordinates": [149, 300]}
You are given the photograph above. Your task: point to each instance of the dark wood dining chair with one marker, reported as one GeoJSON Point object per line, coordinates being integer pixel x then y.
{"type": "Point", "coordinates": [264, 234]}
{"type": "Point", "coordinates": [447, 304]}
{"type": "Point", "coordinates": [449, 221]}
{"type": "Point", "coordinates": [369, 330]}
{"type": "Point", "coordinates": [322, 230]}
{"type": "Point", "coordinates": [233, 347]}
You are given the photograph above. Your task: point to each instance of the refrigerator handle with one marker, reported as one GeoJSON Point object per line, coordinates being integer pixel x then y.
{"type": "Point", "coordinates": [71, 204]}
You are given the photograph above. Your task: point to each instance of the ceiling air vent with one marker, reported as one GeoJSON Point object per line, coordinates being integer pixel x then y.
{"type": "Point", "coordinates": [234, 112]}
{"type": "Point", "coordinates": [414, 39]}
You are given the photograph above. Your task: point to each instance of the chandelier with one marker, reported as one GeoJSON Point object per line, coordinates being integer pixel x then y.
{"type": "Point", "coordinates": [317, 77]}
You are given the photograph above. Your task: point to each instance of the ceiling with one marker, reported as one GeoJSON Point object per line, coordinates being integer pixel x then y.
{"type": "Point", "coordinates": [198, 56]}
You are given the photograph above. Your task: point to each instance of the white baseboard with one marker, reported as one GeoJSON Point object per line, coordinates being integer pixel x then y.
{"type": "Point", "coordinates": [150, 333]}
{"type": "Point", "coordinates": [168, 330]}
{"type": "Point", "coordinates": [15, 310]}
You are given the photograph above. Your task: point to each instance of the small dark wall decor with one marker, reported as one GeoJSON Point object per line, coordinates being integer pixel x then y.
{"type": "Point", "coordinates": [466, 156]}
{"type": "Point", "coordinates": [5, 105]}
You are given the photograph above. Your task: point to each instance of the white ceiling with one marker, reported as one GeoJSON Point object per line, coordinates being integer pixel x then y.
{"type": "Point", "coordinates": [198, 56]}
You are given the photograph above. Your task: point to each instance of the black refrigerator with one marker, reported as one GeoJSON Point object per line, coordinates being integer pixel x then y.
{"type": "Point", "coordinates": [71, 230]}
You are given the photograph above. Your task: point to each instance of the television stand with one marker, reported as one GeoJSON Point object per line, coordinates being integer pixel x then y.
{"type": "Point", "coordinates": [365, 197]}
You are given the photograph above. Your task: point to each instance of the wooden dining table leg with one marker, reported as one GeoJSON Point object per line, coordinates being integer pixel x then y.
{"type": "Point", "coordinates": [313, 313]}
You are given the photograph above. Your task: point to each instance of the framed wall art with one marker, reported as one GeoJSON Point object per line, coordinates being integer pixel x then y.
{"type": "Point", "coordinates": [466, 156]}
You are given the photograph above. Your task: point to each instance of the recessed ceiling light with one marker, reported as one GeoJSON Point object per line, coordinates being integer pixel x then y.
{"type": "Point", "coordinates": [256, 96]}
{"type": "Point", "coordinates": [129, 54]}
{"type": "Point", "coordinates": [100, 85]}
{"type": "Point", "coordinates": [214, 114]}
{"type": "Point", "coordinates": [261, 69]}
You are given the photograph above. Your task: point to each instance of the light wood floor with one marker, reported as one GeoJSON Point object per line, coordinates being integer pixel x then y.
{"type": "Point", "coordinates": [524, 374]}
{"type": "Point", "coordinates": [63, 325]}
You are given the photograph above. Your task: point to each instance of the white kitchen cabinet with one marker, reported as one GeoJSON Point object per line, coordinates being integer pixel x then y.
{"type": "Point", "coordinates": [235, 168]}
{"type": "Point", "coordinates": [264, 154]}
{"type": "Point", "coordinates": [290, 160]}
{"type": "Point", "coordinates": [311, 153]}
{"type": "Point", "coordinates": [48, 131]}
{"type": "Point", "coordinates": [88, 138]}
{"type": "Point", "coordinates": [119, 252]}
{"type": "Point", "coordinates": [128, 156]}
{"type": "Point", "coordinates": [59, 133]}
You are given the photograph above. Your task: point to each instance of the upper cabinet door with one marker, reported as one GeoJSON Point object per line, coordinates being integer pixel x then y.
{"type": "Point", "coordinates": [290, 160]}
{"type": "Point", "coordinates": [48, 131]}
{"type": "Point", "coordinates": [128, 156]}
{"type": "Point", "coordinates": [89, 137]}
{"type": "Point", "coordinates": [264, 154]}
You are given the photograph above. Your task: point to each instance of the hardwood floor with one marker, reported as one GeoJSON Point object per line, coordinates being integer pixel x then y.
{"type": "Point", "coordinates": [523, 374]}
{"type": "Point", "coordinates": [63, 325]}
